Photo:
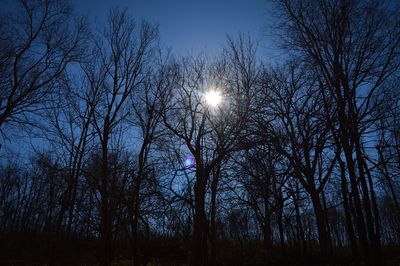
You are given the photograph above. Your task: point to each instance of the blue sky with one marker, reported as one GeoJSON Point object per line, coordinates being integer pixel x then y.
{"type": "Point", "coordinates": [186, 27]}
{"type": "Point", "coordinates": [190, 26]}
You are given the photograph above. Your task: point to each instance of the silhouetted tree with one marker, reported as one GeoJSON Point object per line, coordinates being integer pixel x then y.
{"type": "Point", "coordinates": [38, 42]}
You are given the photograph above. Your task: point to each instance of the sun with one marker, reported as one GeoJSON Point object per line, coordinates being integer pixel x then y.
{"type": "Point", "coordinates": [213, 98]}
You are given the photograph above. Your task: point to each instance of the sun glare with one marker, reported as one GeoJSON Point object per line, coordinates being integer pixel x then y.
{"type": "Point", "coordinates": [213, 98]}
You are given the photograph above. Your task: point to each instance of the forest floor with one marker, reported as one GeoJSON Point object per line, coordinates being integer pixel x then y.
{"type": "Point", "coordinates": [169, 252]}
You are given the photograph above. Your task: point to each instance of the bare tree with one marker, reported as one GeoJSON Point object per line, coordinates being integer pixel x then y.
{"type": "Point", "coordinates": [299, 133]}
{"type": "Point", "coordinates": [38, 42]}
{"type": "Point", "coordinates": [147, 104]}
{"type": "Point", "coordinates": [210, 133]}
{"type": "Point", "coordinates": [353, 47]}
{"type": "Point", "coordinates": [260, 172]}
{"type": "Point", "coordinates": [123, 53]}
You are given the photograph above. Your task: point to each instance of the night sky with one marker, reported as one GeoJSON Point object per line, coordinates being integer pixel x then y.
{"type": "Point", "coordinates": [187, 27]}
{"type": "Point", "coordinates": [191, 26]}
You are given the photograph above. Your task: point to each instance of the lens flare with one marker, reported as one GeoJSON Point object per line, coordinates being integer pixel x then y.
{"type": "Point", "coordinates": [189, 161]}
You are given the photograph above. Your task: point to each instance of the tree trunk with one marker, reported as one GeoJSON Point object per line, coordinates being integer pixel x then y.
{"type": "Point", "coordinates": [349, 223]}
{"type": "Point", "coordinates": [213, 237]}
{"type": "Point", "coordinates": [321, 226]}
{"type": "Point", "coordinates": [105, 208]}
{"type": "Point", "coordinates": [281, 232]}
{"type": "Point", "coordinates": [200, 234]}
{"type": "Point", "coordinates": [303, 248]}
{"type": "Point", "coordinates": [267, 232]}
{"type": "Point", "coordinates": [359, 217]}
